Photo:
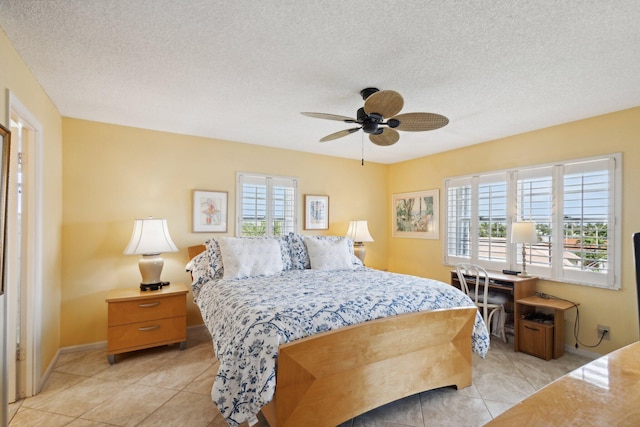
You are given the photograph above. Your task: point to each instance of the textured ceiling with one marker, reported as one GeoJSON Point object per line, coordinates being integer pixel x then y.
{"type": "Point", "coordinates": [243, 70]}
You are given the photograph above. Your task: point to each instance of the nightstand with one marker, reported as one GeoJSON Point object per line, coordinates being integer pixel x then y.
{"type": "Point", "coordinates": [142, 319]}
{"type": "Point", "coordinates": [545, 341]}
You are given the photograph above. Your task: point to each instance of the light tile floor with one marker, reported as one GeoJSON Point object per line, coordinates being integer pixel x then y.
{"type": "Point", "coordinates": [168, 387]}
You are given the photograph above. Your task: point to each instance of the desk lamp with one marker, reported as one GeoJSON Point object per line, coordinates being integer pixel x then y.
{"type": "Point", "coordinates": [523, 233]}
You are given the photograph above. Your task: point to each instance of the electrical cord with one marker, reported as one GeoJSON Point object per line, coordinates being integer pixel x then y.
{"type": "Point", "coordinates": [576, 324]}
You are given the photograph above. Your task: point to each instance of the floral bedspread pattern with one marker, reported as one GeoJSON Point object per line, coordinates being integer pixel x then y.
{"type": "Point", "coordinates": [249, 318]}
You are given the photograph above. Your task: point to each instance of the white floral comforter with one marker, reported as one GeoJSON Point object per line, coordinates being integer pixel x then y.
{"type": "Point", "coordinates": [249, 318]}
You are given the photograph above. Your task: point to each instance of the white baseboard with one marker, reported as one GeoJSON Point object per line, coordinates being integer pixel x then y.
{"type": "Point", "coordinates": [85, 347]}
{"type": "Point", "coordinates": [63, 350]}
{"type": "Point", "coordinates": [47, 372]}
{"type": "Point", "coordinates": [580, 352]}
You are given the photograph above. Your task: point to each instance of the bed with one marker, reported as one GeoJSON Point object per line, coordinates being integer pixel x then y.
{"type": "Point", "coordinates": [337, 338]}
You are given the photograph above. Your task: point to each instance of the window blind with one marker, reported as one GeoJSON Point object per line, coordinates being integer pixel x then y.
{"type": "Point", "coordinates": [574, 205]}
{"type": "Point", "coordinates": [266, 205]}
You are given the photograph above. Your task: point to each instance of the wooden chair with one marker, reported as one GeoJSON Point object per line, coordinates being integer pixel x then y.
{"type": "Point", "coordinates": [489, 302]}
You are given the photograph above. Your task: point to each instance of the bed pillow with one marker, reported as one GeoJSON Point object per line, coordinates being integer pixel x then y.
{"type": "Point", "coordinates": [246, 257]}
{"type": "Point", "coordinates": [298, 252]}
{"type": "Point", "coordinates": [214, 258]}
{"type": "Point", "coordinates": [201, 272]}
{"type": "Point", "coordinates": [300, 255]}
{"type": "Point", "coordinates": [329, 254]}
{"type": "Point", "coordinates": [285, 252]}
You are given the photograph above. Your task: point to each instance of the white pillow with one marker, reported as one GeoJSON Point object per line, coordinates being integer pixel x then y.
{"type": "Point", "coordinates": [246, 257]}
{"type": "Point", "coordinates": [329, 254]}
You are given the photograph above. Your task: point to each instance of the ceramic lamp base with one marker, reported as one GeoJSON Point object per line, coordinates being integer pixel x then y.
{"type": "Point", "coordinates": [150, 268]}
{"type": "Point", "coordinates": [359, 251]}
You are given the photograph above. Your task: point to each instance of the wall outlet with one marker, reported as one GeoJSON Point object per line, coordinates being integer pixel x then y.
{"type": "Point", "coordinates": [606, 330]}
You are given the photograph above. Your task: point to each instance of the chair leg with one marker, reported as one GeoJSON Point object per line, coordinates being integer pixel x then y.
{"type": "Point", "coordinates": [487, 321]}
{"type": "Point", "coordinates": [501, 319]}
{"type": "Point", "coordinates": [503, 315]}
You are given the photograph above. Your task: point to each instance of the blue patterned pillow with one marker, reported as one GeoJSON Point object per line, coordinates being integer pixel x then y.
{"type": "Point", "coordinates": [285, 251]}
{"type": "Point", "coordinates": [201, 272]}
{"type": "Point", "coordinates": [299, 255]}
{"type": "Point", "coordinates": [214, 258]}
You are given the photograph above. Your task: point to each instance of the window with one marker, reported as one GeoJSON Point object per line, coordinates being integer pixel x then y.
{"type": "Point", "coordinates": [574, 206]}
{"type": "Point", "coordinates": [266, 205]}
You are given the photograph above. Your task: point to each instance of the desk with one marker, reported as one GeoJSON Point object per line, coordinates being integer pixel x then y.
{"type": "Point", "coordinates": [515, 287]}
{"type": "Point", "coordinates": [603, 392]}
{"type": "Point", "coordinates": [529, 305]}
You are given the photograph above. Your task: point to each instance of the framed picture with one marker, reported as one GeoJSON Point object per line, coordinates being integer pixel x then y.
{"type": "Point", "coordinates": [5, 140]}
{"type": "Point", "coordinates": [316, 212]}
{"type": "Point", "coordinates": [209, 211]}
{"type": "Point", "coordinates": [416, 214]}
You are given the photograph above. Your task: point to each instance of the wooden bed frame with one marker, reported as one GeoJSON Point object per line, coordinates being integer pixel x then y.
{"type": "Point", "coordinates": [329, 378]}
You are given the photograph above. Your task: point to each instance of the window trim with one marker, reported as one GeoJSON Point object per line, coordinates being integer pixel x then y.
{"type": "Point", "coordinates": [555, 272]}
{"type": "Point", "coordinates": [296, 208]}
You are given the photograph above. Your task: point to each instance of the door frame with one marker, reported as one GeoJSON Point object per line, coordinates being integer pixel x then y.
{"type": "Point", "coordinates": [33, 272]}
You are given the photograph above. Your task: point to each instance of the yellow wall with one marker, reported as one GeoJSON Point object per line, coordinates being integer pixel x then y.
{"type": "Point", "coordinates": [114, 174]}
{"type": "Point", "coordinates": [616, 132]}
{"type": "Point", "coordinates": [16, 77]}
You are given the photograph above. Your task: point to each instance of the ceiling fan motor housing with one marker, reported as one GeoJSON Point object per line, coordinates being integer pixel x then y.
{"type": "Point", "coordinates": [370, 127]}
{"type": "Point", "coordinates": [370, 122]}
{"type": "Point", "coordinates": [365, 93]}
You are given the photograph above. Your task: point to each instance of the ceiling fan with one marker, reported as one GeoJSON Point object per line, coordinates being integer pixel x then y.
{"type": "Point", "coordinates": [378, 106]}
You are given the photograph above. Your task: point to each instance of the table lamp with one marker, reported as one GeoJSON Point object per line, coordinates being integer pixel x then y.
{"type": "Point", "coordinates": [523, 233]}
{"type": "Point", "coordinates": [359, 232]}
{"type": "Point", "coordinates": [150, 238]}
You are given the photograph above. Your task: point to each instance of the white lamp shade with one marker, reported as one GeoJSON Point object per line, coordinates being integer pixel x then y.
{"type": "Point", "coordinates": [150, 236]}
{"type": "Point", "coordinates": [359, 231]}
{"type": "Point", "coordinates": [523, 232]}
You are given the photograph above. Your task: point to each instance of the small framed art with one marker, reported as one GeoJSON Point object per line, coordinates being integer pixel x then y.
{"type": "Point", "coordinates": [316, 212]}
{"type": "Point", "coordinates": [209, 211]}
{"type": "Point", "coordinates": [416, 214]}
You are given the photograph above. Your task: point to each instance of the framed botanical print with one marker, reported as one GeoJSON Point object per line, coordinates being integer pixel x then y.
{"type": "Point", "coordinates": [316, 212]}
{"type": "Point", "coordinates": [209, 211]}
{"type": "Point", "coordinates": [416, 214]}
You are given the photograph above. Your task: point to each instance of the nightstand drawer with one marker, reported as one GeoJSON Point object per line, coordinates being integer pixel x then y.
{"type": "Point", "coordinates": [143, 334]}
{"type": "Point", "coordinates": [125, 312]}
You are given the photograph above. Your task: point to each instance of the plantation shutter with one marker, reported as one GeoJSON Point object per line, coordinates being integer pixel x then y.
{"type": "Point", "coordinates": [587, 221]}
{"type": "Point", "coordinates": [266, 205]}
{"type": "Point", "coordinates": [458, 229]}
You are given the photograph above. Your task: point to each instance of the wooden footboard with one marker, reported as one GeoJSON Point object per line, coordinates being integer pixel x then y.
{"type": "Point", "coordinates": [327, 379]}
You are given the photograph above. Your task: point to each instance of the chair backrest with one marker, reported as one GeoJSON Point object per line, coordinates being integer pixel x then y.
{"type": "Point", "coordinates": [479, 277]}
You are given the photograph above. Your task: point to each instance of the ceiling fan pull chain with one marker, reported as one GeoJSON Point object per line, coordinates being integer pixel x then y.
{"type": "Point", "coordinates": [362, 148]}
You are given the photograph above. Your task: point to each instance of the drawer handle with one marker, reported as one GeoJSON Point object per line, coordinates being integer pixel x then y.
{"type": "Point", "coordinates": [149, 328]}
{"type": "Point", "coordinates": [151, 304]}
{"type": "Point", "coordinates": [532, 329]}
